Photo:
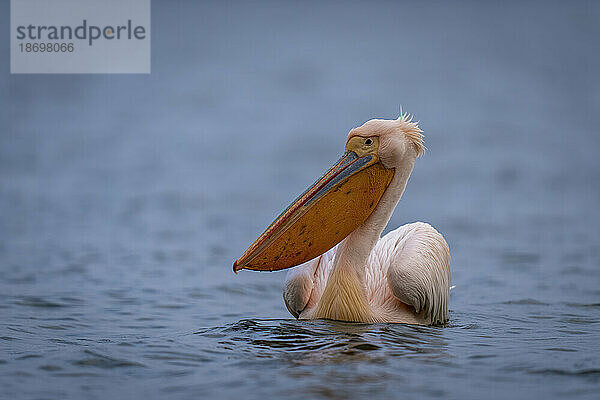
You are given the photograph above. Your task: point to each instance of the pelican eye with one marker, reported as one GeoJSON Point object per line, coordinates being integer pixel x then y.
{"type": "Point", "coordinates": [368, 141]}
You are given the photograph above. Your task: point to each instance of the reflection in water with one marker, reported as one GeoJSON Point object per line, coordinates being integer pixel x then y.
{"type": "Point", "coordinates": [332, 359]}
{"type": "Point", "coordinates": [317, 342]}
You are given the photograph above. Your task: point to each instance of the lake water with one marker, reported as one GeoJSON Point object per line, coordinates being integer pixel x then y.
{"type": "Point", "coordinates": [125, 199]}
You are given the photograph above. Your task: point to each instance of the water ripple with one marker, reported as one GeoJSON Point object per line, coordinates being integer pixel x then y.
{"type": "Point", "coordinates": [327, 341]}
{"type": "Point", "coordinates": [102, 361]}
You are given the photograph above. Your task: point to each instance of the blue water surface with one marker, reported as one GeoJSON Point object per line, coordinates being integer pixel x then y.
{"type": "Point", "coordinates": [124, 200]}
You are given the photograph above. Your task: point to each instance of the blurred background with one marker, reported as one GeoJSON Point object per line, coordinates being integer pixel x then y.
{"type": "Point", "coordinates": [124, 200]}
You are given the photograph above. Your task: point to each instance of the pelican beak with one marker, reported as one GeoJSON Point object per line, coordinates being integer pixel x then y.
{"type": "Point", "coordinates": [321, 217]}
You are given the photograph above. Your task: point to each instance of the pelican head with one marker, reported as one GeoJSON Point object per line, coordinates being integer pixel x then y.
{"type": "Point", "coordinates": [340, 200]}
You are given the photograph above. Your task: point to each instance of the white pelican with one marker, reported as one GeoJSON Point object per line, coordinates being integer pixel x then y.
{"type": "Point", "coordinates": [403, 277]}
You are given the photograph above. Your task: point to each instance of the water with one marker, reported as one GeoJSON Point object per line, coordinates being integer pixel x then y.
{"type": "Point", "coordinates": [125, 199]}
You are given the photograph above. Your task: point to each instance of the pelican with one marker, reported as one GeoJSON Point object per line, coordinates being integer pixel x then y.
{"type": "Point", "coordinates": [344, 270]}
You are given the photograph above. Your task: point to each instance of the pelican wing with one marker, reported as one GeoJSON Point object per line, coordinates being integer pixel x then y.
{"type": "Point", "coordinates": [305, 283]}
{"type": "Point", "coordinates": [299, 284]}
{"type": "Point", "coordinates": [418, 270]}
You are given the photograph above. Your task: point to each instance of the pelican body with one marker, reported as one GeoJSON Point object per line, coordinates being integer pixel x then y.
{"type": "Point", "coordinates": [331, 234]}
